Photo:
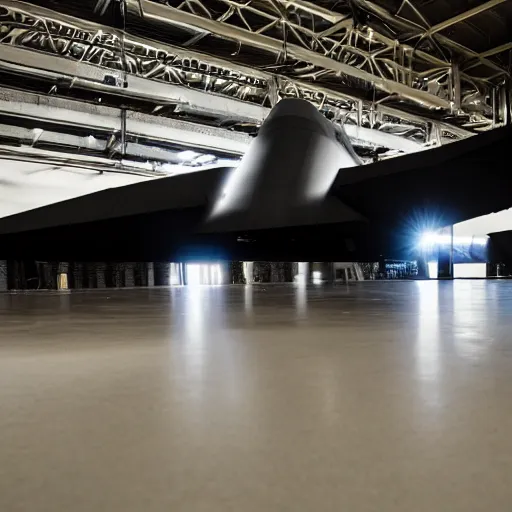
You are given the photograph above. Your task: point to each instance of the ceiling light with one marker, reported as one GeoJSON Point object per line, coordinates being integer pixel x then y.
{"type": "Point", "coordinates": [205, 159]}
{"type": "Point", "coordinates": [187, 156]}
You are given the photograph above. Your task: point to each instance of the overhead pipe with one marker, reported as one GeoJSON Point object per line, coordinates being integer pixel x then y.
{"type": "Point", "coordinates": [164, 13]}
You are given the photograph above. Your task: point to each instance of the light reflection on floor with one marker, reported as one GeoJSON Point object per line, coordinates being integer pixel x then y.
{"type": "Point", "coordinates": [373, 396]}
{"type": "Point", "coordinates": [471, 335]}
{"type": "Point", "coordinates": [428, 340]}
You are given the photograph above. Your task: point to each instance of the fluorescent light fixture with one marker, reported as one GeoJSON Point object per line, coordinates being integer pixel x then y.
{"type": "Point", "coordinates": [146, 166]}
{"type": "Point", "coordinates": [205, 159]}
{"type": "Point", "coordinates": [187, 156]}
{"type": "Point", "coordinates": [168, 168]}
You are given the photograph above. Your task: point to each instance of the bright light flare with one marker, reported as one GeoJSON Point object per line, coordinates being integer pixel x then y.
{"type": "Point", "coordinates": [198, 274]}
{"type": "Point", "coordinates": [317, 277]}
{"type": "Point", "coordinates": [430, 240]}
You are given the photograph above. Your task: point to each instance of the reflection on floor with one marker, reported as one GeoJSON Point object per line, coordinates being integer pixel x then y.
{"type": "Point", "coordinates": [373, 397]}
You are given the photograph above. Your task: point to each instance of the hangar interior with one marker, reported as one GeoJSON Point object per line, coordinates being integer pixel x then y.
{"type": "Point", "coordinates": [317, 336]}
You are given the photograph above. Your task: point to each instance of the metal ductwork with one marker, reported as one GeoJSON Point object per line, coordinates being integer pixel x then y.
{"type": "Point", "coordinates": [386, 76]}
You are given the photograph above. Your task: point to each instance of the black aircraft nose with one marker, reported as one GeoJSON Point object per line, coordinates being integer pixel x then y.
{"type": "Point", "coordinates": [285, 176]}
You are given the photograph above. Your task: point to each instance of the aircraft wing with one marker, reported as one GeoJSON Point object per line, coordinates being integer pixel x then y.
{"type": "Point", "coordinates": [445, 185]}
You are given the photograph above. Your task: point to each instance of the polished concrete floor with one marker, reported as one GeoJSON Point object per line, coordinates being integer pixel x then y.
{"type": "Point", "coordinates": [373, 397]}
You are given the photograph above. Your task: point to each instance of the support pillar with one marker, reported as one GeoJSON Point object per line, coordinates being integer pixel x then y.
{"type": "Point", "coordinates": [288, 272]}
{"type": "Point", "coordinates": [445, 257]}
{"type": "Point", "coordinates": [100, 275]}
{"type": "Point", "coordinates": [140, 274]}
{"type": "Point", "coordinates": [175, 274]}
{"type": "Point", "coordinates": [321, 271]}
{"type": "Point", "coordinates": [117, 275]}
{"type": "Point", "coordinates": [162, 274]}
{"type": "Point", "coordinates": [276, 272]}
{"type": "Point", "coordinates": [422, 268]}
{"type": "Point", "coordinates": [294, 271]}
{"type": "Point", "coordinates": [47, 281]}
{"type": "Point", "coordinates": [261, 272]}
{"type": "Point", "coordinates": [129, 275]}
{"type": "Point", "coordinates": [184, 273]}
{"type": "Point", "coordinates": [150, 270]}
{"type": "Point", "coordinates": [382, 269]}
{"type": "Point", "coordinates": [62, 276]}
{"type": "Point", "coordinates": [3, 276]}
{"type": "Point", "coordinates": [78, 275]}
{"type": "Point", "coordinates": [249, 272]}
{"type": "Point", "coordinates": [225, 273]}
{"type": "Point", "coordinates": [311, 270]}
{"type": "Point", "coordinates": [301, 272]}
{"type": "Point", "coordinates": [328, 273]}
{"type": "Point", "coordinates": [237, 273]}
{"type": "Point", "coordinates": [16, 279]}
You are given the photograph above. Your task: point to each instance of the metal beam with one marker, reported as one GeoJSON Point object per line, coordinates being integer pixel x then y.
{"type": "Point", "coordinates": [340, 21]}
{"type": "Point", "coordinates": [90, 76]}
{"type": "Point", "coordinates": [158, 89]}
{"type": "Point", "coordinates": [63, 160]}
{"type": "Point", "coordinates": [402, 76]}
{"type": "Point", "coordinates": [463, 16]}
{"type": "Point", "coordinates": [322, 12]}
{"type": "Point", "coordinates": [390, 111]}
{"type": "Point", "coordinates": [159, 92]}
{"type": "Point", "coordinates": [495, 51]}
{"type": "Point", "coordinates": [186, 133]}
{"type": "Point", "coordinates": [488, 53]}
{"type": "Point", "coordinates": [88, 116]}
{"type": "Point", "coordinates": [160, 13]}
{"type": "Point", "coordinates": [382, 139]}
{"type": "Point", "coordinates": [58, 110]}
{"type": "Point", "coordinates": [411, 27]}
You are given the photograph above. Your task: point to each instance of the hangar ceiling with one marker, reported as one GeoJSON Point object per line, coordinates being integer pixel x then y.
{"type": "Point", "coordinates": [399, 75]}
